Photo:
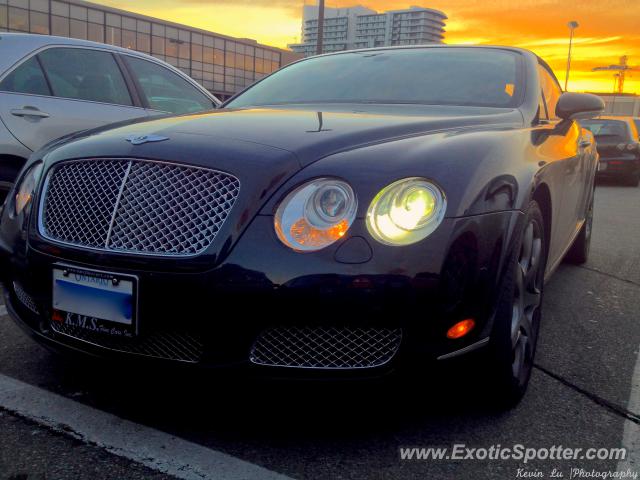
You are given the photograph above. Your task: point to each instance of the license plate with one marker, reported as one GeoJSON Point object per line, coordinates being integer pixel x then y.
{"type": "Point", "coordinates": [100, 302]}
{"type": "Point", "coordinates": [602, 166]}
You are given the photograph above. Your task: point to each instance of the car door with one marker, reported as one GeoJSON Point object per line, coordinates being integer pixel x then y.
{"type": "Point", "coordinates": [165, 91]}
{"type": "Point", "coordinates": [62, 90]}
{"type": "Point", "coordinates": [566, 152]}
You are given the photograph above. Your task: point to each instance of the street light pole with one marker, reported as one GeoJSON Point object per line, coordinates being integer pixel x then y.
{"type": "Point", "coordinates": [572, 26]}
{"type": "Point", "coordinates": [320, 27]}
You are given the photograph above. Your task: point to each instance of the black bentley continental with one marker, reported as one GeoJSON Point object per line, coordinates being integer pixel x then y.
{"type": "Point", "coordinates": [357, 214]}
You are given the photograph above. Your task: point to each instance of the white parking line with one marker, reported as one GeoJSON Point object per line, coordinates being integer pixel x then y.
{"type": "Point", "coordinates": [160, 451]}
{"type": "Point", "coordinates": [3, 311]}
{"type": "Point", "coordinates": [631, 435]}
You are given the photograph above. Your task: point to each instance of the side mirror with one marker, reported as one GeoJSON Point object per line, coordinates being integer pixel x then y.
{"type": "Point", "coordinates": [579, 106]}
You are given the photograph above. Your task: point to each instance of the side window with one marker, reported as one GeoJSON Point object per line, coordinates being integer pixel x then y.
{"type": "Point", "coordinates": [27, 78]}
{"type": "Point", "coordinates": [550, 90]}
{"type": "Point", "coordinates": [84, 74]}
{"type": "Point", "coordinates": [166, 91]}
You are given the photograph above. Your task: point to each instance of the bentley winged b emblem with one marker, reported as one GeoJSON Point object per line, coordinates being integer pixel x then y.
{"type": "Point", "coordinates": [140, 139]}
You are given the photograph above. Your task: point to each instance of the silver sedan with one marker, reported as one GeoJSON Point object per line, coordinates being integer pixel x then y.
{"type": "Point", "coordinates": [53, 86]}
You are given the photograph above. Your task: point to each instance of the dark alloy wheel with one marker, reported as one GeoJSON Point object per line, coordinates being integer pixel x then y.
{"type": "Point", "coordinates": [517, 322]}
{"type": "Point", "coordinates": [579, 251]}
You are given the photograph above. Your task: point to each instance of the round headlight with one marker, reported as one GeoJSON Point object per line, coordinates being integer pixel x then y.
{"type": "Point", "coordinates": [316, 214]}
{"type": "Point", "coordinates": [406, 211]}
{"type": "Point", "coordinates": [27, 187]}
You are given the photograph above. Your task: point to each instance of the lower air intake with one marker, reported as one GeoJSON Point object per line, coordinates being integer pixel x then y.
{"type": "Point", "coordinates": [25, 299]}
{"type": "Point", "coordinates": [326, 347]}
{"type": "Point", "coordinates": [180, 346]}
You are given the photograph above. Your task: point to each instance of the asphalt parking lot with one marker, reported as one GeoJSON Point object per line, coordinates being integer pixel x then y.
{"type": "Point", "coordinates": [585, 392]}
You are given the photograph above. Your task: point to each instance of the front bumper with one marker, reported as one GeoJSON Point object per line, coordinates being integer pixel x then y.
{"type": "Point", "coordinates": [218, 315]}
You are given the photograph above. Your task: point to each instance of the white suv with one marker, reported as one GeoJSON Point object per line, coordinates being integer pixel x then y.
{"type": "Point", "coordinates": [54, 86]}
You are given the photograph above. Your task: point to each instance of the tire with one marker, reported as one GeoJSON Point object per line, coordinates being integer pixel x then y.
{"type": "Point", "coordinates": [511, 352]}
{"type": "Point", "coordinates": [579, 251]}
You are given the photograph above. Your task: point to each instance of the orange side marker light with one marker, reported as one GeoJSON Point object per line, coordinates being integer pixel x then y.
{"type": "Point", "coordinates": [461, 329]}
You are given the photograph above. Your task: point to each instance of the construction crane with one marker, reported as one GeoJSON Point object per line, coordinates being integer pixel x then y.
{"type": "Point", "coordinates": [621, 70]}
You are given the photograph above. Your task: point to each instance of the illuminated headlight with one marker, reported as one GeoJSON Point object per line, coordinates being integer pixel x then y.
{"type": "Point", "coordinates": [316, 214]}
{"type": "Point", "coordinates": [27, 187]}
{"type": "Point", "coordinates": [406, 211]}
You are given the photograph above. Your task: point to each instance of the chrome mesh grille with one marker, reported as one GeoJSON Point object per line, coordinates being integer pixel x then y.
{"type": "Point", "coordinates": [80, 200]}
{"type": "Point", "coordinates": [136, 206]}
{"type": "Point", "coordinates": [24, 298]}
{"type": "Point", "coordinates": [326, 347]}
{"type": "Point", "coordinates": [181, 346]}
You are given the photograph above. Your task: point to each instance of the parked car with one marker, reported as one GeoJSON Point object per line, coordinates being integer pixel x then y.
{"type": "Point", "coordinates": [619, 148]}
{"type": "Point", "coordinates": [353, 214]}
{"type": "Point", "coordinates": [52, 86]}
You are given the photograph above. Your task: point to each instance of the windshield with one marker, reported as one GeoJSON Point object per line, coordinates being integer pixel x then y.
{"type": "Point", "coordinates": [430, 76]}
{"type": "Point", "coordinates": [608, 131]}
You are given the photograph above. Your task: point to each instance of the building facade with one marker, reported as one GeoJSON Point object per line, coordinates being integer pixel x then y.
{"type": "Point", "coordinates": [360, 27]}
{"type": "Point", "coordinates": [224, 65]}
{"type": "Point", "coordinates": [625, 105]}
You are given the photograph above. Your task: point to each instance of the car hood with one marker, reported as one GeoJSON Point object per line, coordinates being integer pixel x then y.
{"type": "Point", "coordinates": [313, 132]}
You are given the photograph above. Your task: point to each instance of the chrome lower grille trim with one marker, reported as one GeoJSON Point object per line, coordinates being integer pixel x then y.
{"type": "Point", "coordinates": [136, 206]}
{"type": "Point", "coordinates": [179, 346]}
{"type": "Point", "coordinates": [326, 347]}
{"type": "Point", "coordinates": [25, 299]}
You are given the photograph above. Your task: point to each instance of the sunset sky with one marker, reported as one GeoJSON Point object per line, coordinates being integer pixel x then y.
{"type": "Point", "coordinates": [608, 28]}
